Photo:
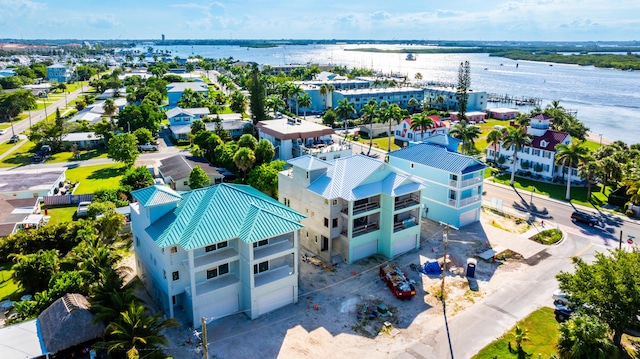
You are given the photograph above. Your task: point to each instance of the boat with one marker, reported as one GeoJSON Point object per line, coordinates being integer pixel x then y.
{"type": "Point", "coordinates": [486, 68]}
{"type": "Point", "coordinates": [411, 57]}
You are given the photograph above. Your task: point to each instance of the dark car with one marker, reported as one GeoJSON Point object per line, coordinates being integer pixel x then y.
{"type": "Point", "coordinates": [14, 139]}
{"type": "Point", "coordinates": [563, 312]}
{"type": "Point", "coordinates": [585, 218]}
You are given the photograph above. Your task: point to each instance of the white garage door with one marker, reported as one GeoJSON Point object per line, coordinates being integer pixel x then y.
{"type": "Point", "coordinates": [468, 217]}
{"type": "Point", "coordinates": [364, 250]}
{"type": "Point", "coordinates": [275, 300]}
{"type": "Point", "coordinates": [404, 245]}
{"type": "Point", "coordinates": [222, 307]}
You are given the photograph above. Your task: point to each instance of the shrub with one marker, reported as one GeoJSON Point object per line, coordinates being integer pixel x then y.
{"type": "Point", "coordinates": [549, 236]}
{"type": "Point", "coordinates": [630, 213]}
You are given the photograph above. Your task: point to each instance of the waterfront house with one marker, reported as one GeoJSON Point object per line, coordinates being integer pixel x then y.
{"type": "Point", "coordinates": [454, 193]}
{"type": "Point", "coordinates": [477, 100]}
{"type": "Point", "coordinates": [175, 171]}
{"type": "Point", "coordinates": [403, 134]}
{"type": "Point", "coordinates": [361, 96]}
{"type": "Point", "coordinates": [215, 251]}
{"type": "Point", "coordinates": [538, 159]}
{"type": "Point", "coordinates": [58, 73]}
{"type": "Point", "coordinates": [355, 207]}
{"type": "Point", "coordinates": [503, 113]}
{"type": "Point", "coordinates": [176, 89]}
{"type": "Point", "coordinates": [473, 117]}
{"type": "Point", "coordinates": [295, 137]}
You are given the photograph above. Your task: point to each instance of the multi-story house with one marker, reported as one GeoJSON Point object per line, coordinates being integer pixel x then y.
{"type": "Point", "coordinates": [58, 73]}
{"type": "Point", "coordinates": [180, 120]}
{"type": "Point", "coordinates": [477, 100]}
{"type": "Point", "coordinates": [398, 95]}
{"type": "Point", "coordinates": [355, 207]}
{"type": "Point", "coordinates": [216, 251]}
{"type": "Point", "coordinates": [176, 89]}
{"type": "Point", "coordinates": [453, 180]}
{"type": "Point", "coordinates": [539, 158]}
{"type": "Point", "coordinates": [295, 137]}
{"type": "Point", "coordinates": [404, 134]}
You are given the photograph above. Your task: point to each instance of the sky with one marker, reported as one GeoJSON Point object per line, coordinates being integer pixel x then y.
{"type": "Point", "coordinates": [486, 20]}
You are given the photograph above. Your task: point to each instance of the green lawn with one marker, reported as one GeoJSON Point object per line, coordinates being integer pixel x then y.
{"type": "Point", "coordinates": [84, 155]}
{"type": "Point", "coordinates": [93, 178]}
{"type": "Point", "coordinates": [20, 157]}
{"type": "Point", "coordinates": [5, 146]}
{"type": "Point", "coordinates": [381, 143]}
{"type": "Point", "coordinates": [558, 191]}
{"type": "Point", "coordinates": [8, 288]}
{"type": "Point", "coordinates": [60, 214]}
{"type": "Point", "coordinates": [542, 332]}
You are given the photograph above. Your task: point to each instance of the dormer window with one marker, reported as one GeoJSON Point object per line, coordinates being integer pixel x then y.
{"type": "Point", "coordinates": [543, 143]}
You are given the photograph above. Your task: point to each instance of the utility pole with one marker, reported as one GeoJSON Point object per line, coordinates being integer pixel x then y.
{"type": "Point", "coordinates": [620, 243]}
{"type": "Point", "coordinates": [205, 347]}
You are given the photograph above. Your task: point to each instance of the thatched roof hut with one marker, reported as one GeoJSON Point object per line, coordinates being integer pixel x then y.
{"type": "Point", "coordinates": [68, 322]}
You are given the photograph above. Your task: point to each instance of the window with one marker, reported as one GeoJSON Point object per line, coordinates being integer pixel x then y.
{"type": "Point", "coordinates": [174, 250]}
{"type": "Point", "coordinates": [212, 273]}
{"type": "Point", "coordinates": [326, 222]}
{"type": "Point", "coordinates": [326, 201]}
{"type": "Point", "coordinates": [536, 152]}
{"type": "Point", "coordinates": [324, 245]}
{"type": "Point", "coordinates": [261, 243]}
{"type": "Point", "coordinates": [410, 135]}
{"type": "Point", "coordinates": [334, 223]}
{"type": "Point", "coordinates": [213, 247]}
{"type": "Point", "coordinates": [186, 183]}
{"type": "Point", "coordinates": [175, 275]}
{"type": "Point", "coordinates": [223, 269]}
{"type": "Point", "coordinates": [335, 202]}
{"type": "Point", "coordinates": [137, 241]}
{"type": "Point", "coordinates": [164, 274]}
{"type": "Point", "coordinates": [411, 164]}
{"type": "Point", "coordinates": [261, 267]}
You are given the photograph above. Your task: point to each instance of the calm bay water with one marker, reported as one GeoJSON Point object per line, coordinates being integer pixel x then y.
{"type": "Point", "coordinates": [607, 101]}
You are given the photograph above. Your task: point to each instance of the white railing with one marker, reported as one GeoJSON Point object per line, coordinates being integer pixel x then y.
{"type": "Point", "coordinates": [469, 200]}
{"type": "Point", "coordinates": [471, 181]}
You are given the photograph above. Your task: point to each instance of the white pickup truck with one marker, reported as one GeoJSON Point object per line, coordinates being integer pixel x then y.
{"type": "Point", "coordinates": [148, 147]}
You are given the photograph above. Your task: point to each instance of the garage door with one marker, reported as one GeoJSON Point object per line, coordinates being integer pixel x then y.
{"type": "Point", "coordinates": [404, 245]}
{"type": "Point", "coordinates": [222, 307]}
{"type": "Point", "coordinates": [364, 250]}
{"type": "Point", "coordinates": [468, 217]}
{"type": "Point", "coordinates": [275, 300]}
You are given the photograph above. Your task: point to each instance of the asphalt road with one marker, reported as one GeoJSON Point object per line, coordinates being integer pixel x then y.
{"type": "Point", "coordinates": [559, 212]}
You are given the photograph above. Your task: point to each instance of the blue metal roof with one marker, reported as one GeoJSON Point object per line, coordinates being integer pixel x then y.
{"type": "Point", "coordinates": [309, 163]}
{"type": "Point", "coordinates": [438, 157]}
{"type": "Point", "coordinates": [155, 195]}
{"type": "Point", "coordinates": [222, 212]}
{"type": "Point", "coordinates": [359, 176]}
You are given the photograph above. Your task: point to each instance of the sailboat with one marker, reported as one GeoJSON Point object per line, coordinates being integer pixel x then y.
{"type": "Point", "coordinates": [411, 57]}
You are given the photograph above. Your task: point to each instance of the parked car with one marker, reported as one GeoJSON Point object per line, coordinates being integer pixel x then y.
{"type": "Point", "coordinates": [3, 131]}
{"type": "Point", "coordinates": [81, 212]}
{"type": "Point", "coordinates": [43, 153]}
{"type": "Point", "coordinates": [14, 139]}
{"type": "Point", "coordinates": [563, 312]}
{"type": "Point", "coordinates": [586, 218]}
{"type": "Point", "coordinates": [148, 147]}
{"type": "Point", "coordinates": [560, 297]}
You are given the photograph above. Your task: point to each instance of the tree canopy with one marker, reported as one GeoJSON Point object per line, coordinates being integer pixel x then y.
{"type": "Point", "coordinates": [198, 178]}
{"type": "Point", "coordinates": [123, 148]}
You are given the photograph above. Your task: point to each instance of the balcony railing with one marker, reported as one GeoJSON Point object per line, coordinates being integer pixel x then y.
{"type": "Point", "coordinates": [469, 200]}
{"type": "Point", "coordinates": [271, 249]}
{"type": "Point", "coordinates": [223, 254]}
{"type": "Point", "coordinates": [407, 202]}
{"type": "Point", "coordinates": [453, 183]}
{"type": "Point", "coordinates": [471, 181]}
{"type": "Point", "coordinates": [214, 284]}
{"type": "Point", "coordinates": [404, 224]}
{"type": "Point", "coordinates": [367, 228]}
{"type": "Point", "coordinates": [273, 275]}
{"type": "Point", "coordinates": [361, 208]}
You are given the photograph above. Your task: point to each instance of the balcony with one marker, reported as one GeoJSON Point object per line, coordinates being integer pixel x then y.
{"type": "Point", "coordinates": [224, 254]}
{"type": "Point", "coordinates": [273, 275]}
{"type": "Point", "coordinates": [272, 248]}
{"type": "Point", "coordinates": [469, 200]}
{"type": "Point", "coordinates": [471, 181]}
{"type": "Point", "coordinates": [214, 284]}
{"type": "Point", "coordinates": [362, 208]}
{"type": "Point", "coordinates": [404, 224]}
{"type": "Point", "coordinates": [412, 200]}
{"type": "Point", "coordinates": [360, 230]}
{"type": "Point", "coordinates": [320, 148]}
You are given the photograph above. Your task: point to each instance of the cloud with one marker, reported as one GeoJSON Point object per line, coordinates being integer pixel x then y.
{"type": "Point", "coordinates": [103, 22]}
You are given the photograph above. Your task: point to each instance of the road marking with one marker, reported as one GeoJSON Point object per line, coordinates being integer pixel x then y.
{"type": "Point", "coordinates": [581, 252]}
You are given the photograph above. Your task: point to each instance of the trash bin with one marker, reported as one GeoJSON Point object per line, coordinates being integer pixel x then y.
{"type": "Point", "coordinates": [471, 267]}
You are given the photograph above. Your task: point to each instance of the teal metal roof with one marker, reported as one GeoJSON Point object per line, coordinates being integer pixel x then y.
{"type": "Point", "coordinates": [222, 212]}
{"type": "Point", "coordinates": [155, 195]}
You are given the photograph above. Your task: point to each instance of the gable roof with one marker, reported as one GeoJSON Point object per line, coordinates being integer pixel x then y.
{"type": "Point", "coordinates": [438, 157]}
{"type": "Point", "coordinates": [359, 176]}
{"type": "Point", "coordinates": [551, 138]}
{"type": "Point", "coordinates": [540, 116]}
{"type": "Point", "coordinates": [181, 86]}
{"type": "Point", "coordinates": [309, 163]}
{"type": "Point", "coordinates": [178, 167]}
{"type": "Point", "coordinates": [155, 195]}
{"type": "Point", "coordinates": [68, 322]}
{"type": "Point", "coordinates": [437, 122]}
{"type": "Point", "coordinates": [214, 214]}
{"type": "Point", "coordinates": [187, 111]}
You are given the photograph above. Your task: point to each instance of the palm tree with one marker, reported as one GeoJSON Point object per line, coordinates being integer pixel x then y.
{"type": "Point", "coordinates": [275, 103]}
{"type": "Point", "coordinates": [516, 138]}
{"type": "Point", "coordinates": [522, 120]}
{"type": "Point", "coordinates": [439, 101]}
{"type": "Point", "coordinates": [467, 133]}
{"type": "Point", "coordinates": [244, 159]}
{"type": "Point", "coordinates": [390, 114]}
{"type": "Point", "coordinates": [136, 332]}
{"type": "Point", "coordinates": [109, 107]}
{"type": "Point", "coordinates": [294, 91]}
{"type": "Point", "coordinates": [369, 113]}
{"type": "Point", "coordinates": [493, 138]}
{"type": "Point", "coordinates": [412, 104]}
{"type": "Point", "coordinates": [421, 122]}
{"type": "Point", "coordinates": [344, 110]}
{"type": "Point", "coordinates": [569, 155]}
{"type": "Point", "coordinates": [520, 336]}
{"type": "Point", "coordinates": [589, 169]}
{"type": "Point", "coordinates": [305, 101]}
{"type": "Point", "coordinates": [418, 76]}
{"type": "Point", "coordinates": [585, 336]}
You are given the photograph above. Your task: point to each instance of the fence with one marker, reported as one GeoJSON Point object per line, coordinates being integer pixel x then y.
{"type": "Point", "coordinates": [67, 199]}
